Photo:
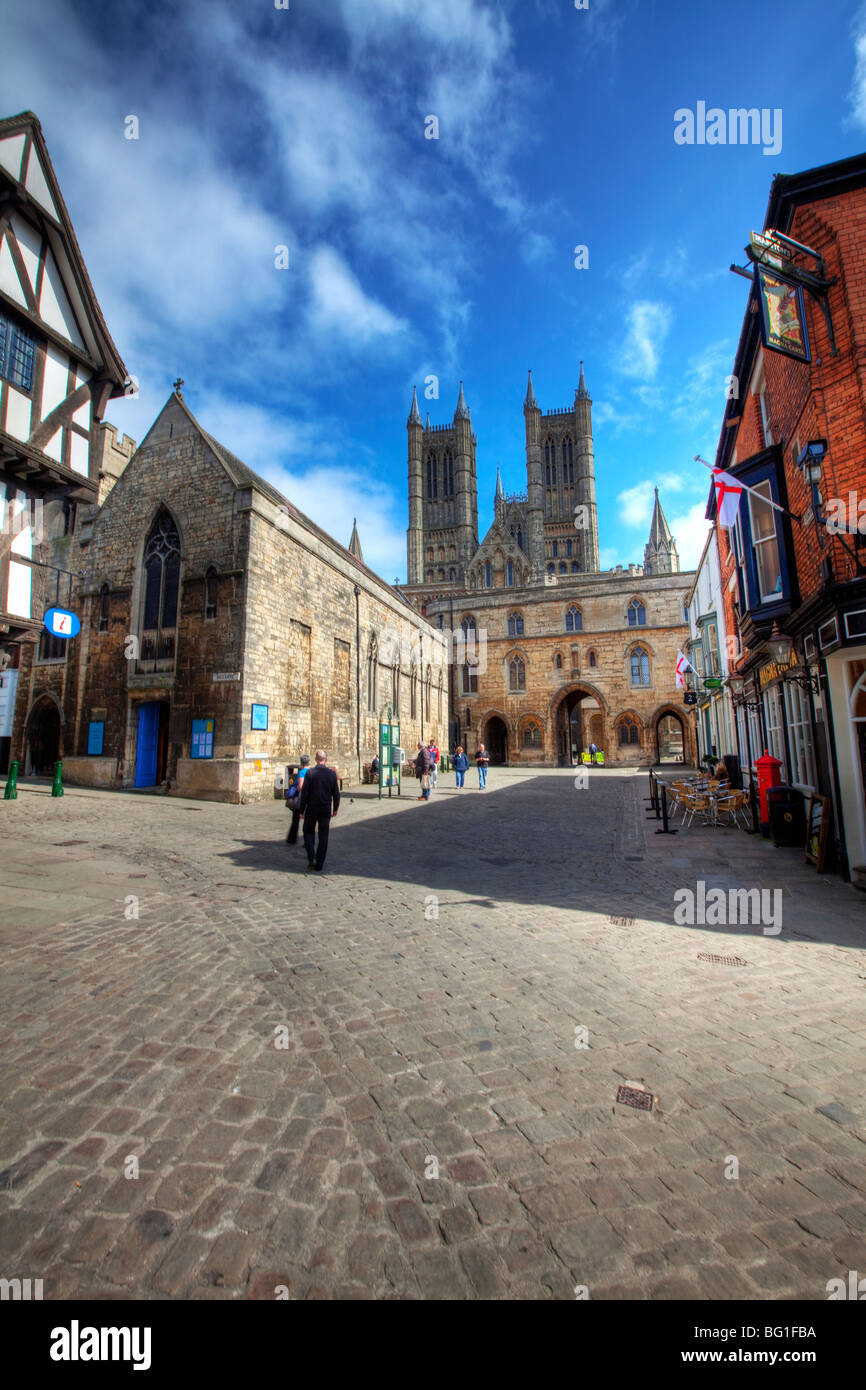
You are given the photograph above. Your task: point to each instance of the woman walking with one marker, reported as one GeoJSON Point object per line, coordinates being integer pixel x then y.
{"type": "Point", "coordinates": [461, 766]}
{"type": "Point", "coordinates": [293, 799]}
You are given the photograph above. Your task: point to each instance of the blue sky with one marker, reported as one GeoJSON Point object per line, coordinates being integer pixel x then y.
{"type": "Point", "coordinates": [411, 257]}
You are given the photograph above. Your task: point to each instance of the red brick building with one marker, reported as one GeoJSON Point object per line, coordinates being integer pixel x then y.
{"type": "Point", "coordinates": [795, 433]}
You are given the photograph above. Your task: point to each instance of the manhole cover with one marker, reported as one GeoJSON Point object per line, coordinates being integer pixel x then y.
{"type": "Point", "coordinates": [721, 960]}
{"type": "Point", "coordinates": [638, 1100]}
{"type": "Point", "coordinates": [621, 921]}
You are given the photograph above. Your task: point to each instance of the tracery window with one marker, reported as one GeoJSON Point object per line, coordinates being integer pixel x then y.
{"type": "Point", "coordinates": [628, 732]}
{"type": "Point", "coordinates": [574, 619]}
{"type": "Point", "coordinates": [532, 735]}
{"type": "Point", "coordinates": [210, 596]}
{"type": "Point", "coordinates": [517, 674]}
{"type": "Point", "coordinates": [640, 669]}
{"type": "Point", "coordinates": [636, 614]}
{"type": "Point", "coordinates": [373, 675]}
{"type": "Point", "coordinates": [161, 588]}
{"type": "Point", "coordinates": [515, 625]}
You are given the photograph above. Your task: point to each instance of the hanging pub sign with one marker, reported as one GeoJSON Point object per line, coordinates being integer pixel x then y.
{"type": "Point", "coordinates": [783, 314]}
{"type": "Point", "coordinates": [61, 623]}
{"type": "Point", "coordinates": [690, 698]}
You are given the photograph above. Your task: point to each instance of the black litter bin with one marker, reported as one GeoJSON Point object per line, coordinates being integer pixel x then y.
{"type": "Point", "coordinates": [787, 816]}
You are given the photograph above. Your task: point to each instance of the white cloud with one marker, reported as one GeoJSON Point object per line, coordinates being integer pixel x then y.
{"type": "Point", "coordinates": [857, 95]}
{"type": "Point", "coordinates": [334, 496]}
{"type": "Point", "coordinates": [648, 323]}
{"type": "Point", "coordinates": [635, 504]}
{"type": "Point", "coordinates": [690, 533]}
{"type": "Point", "coordinates": [340, 306]}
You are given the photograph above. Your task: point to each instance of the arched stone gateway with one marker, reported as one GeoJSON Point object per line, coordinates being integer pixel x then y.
{"type": "Point", "coordinates": [43, 736]}
{"type": "Point", "coordinates": [672, 743]}
{"type": "Point", "coordinates": [494, 735]}
{"type": "Point", "coordinates": [578, 718]}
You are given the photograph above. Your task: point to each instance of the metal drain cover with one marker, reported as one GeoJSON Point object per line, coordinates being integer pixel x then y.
{"type": "Point", "coordinates": [621, 921]}
{"type": "Point", "coordinates": [721, 960]}
{"type": "Point", "coordinates": [638, 1100]}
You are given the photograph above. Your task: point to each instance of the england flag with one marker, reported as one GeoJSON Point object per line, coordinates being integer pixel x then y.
{"type": "Point", "coordinates": [728, 494]}
{"type": "Point", "coordinates": [683, 665]}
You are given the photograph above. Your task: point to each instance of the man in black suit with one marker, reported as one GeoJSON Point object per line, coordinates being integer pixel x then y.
{"type": "Point", "coordinates": [320, 791]}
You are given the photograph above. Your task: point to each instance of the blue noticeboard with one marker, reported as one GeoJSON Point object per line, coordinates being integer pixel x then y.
{"type": "Point", "coordinates": [259, 718]}
{"type": "Point", "coordinates": [95, 737]}
{"type": "Point", "coordinates": [202, 738]}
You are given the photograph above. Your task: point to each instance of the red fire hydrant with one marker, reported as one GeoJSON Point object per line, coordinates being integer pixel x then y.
{"type": "Point", "coordinates": [769, 775]}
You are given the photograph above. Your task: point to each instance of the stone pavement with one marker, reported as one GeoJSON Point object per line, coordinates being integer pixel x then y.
{"type": "Point", "coordinates": [431, 988]}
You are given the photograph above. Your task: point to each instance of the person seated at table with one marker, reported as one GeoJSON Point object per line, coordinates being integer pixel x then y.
{"type": "Point", "coordinates": [721, 772]}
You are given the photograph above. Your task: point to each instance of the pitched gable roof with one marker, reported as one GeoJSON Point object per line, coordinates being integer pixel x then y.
{"type": "Point", "coordinates": [26, 165]}
{"type": "Point", "coordinates": [245, 478]}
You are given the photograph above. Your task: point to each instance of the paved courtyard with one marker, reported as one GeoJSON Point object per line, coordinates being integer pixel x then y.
{"type": "Point", "coordinates": [252, 1084]}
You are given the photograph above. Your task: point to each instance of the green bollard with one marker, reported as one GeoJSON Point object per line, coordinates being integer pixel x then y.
{"type": "Point", "coordinates": [10, 792]}
{"type": "Point", "coordinates": [57, 784]}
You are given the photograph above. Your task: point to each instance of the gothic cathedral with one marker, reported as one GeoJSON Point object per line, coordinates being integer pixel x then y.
{"type": "Point", "coordinates": [560, 654]}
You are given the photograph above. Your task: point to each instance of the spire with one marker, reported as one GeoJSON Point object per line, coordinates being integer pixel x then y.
{"type": "Point", "coordinates": [462, 411]}
{"type": "Point", "coordinates": [427, 426]}
{"type": "Point", "coordinates": [414, 413]}
{"type": "Point", "coordinates": [499, 495]}
{"type": "Point", "coordinates": [660, 532]}
{"type": "Point", "coordinates": [530, 403]}
{"type": "Point", "coordinates": [355, 543]}
{"type": "Point", "coordinates": [581, 393]}
{"type": "Point", "coordinates": [660, 554]}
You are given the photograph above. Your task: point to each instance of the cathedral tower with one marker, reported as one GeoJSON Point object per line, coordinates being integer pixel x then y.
{"type": "Point", "coordinates": [560, 478]}
{"type": "Point", "coordinates": [535, 497]}
{"type": "Point", "coordinates": [415, 534]}
{"type": "Point", "coordinates": [584, 475]}
{"type": "Point", "coordinates": [443, 497]}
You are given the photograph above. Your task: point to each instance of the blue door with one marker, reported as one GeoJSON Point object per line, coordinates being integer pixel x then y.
{"type": "Point", "coordinates": [146, 748]}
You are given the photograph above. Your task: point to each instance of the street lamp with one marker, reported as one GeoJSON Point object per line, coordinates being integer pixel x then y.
{"type": "Point", "coordinates": [780, 645]}
{"type": "Point", "coordinates": [735, 685]}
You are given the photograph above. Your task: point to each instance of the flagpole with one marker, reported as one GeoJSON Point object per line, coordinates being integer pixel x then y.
{"type": "Point", "coordinates": [752, 490]}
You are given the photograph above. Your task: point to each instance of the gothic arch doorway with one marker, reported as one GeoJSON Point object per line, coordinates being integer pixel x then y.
{"type": "Point", "coordinates": [495, 738]}
{"type": "Point", "coordinates": [670, 739]}
{"type": "Point", "coordinates": [573, 726]}
{"type": "Point", "coordinates": [43, 738]}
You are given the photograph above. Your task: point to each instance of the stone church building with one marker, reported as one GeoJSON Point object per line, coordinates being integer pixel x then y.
{"type": "Point", "coordinates": [223, 634]}
{"type": "Point", "coordinates": [566, 654]}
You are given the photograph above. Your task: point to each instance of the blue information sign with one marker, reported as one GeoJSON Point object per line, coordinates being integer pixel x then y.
{"type": "Point", "coordinates": [61, 623]}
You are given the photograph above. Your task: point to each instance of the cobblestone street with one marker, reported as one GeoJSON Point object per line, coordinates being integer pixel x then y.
{"type": "Point", "coordinates": [431, 983]}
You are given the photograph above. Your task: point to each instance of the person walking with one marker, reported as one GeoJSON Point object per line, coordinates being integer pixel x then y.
{"type": "Point", "coordinates": [482, 761]}
{"type": "Point", "coordinates": [422, 769]}
{"type": "Point", "coordinates": [434, 768]}
{"type": "Point", "coordinates": [293, 799]}
{"type": "Point", "coordinates": [320, 802]}
{"type": "Point", "coordinates": [592, 752]}
{"type": "Point", "coordinates": [461, 765]}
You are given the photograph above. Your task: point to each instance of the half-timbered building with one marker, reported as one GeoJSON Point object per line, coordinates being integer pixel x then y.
{"type": "Point", "coordinates": [58, 370]}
